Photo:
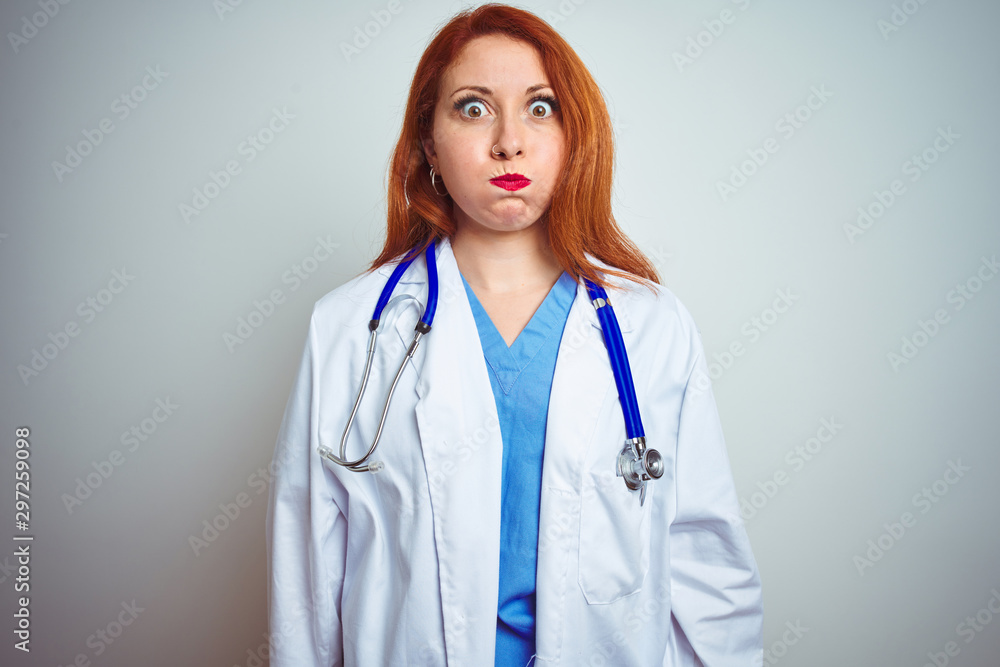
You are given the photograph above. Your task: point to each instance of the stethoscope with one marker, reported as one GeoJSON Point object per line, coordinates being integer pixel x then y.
{"type": "Point", "coordinates": [635, 463]}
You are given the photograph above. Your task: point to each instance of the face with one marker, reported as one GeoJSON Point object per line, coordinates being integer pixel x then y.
{"type": "Point", "coordinates": [496, 96]}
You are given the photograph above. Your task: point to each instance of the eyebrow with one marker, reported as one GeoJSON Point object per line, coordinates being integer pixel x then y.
{"type": "Point", "coordinates": [486, 91]}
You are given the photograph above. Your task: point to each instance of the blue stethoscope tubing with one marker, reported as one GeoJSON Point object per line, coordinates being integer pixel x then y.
{"type": "Point", "coordinates": [619, 359]}
{"type": "Point", "coordinates": [397, 273]}
{"type": "Point", "coordinates": [636, 463]}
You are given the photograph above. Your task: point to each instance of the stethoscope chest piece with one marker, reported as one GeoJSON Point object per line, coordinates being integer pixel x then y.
{"type": "Point", "coordinates": [637, 465]}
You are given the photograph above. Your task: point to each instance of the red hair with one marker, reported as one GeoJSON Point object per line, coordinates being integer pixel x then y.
{"type": "Point", "coordinates": [579, 218]}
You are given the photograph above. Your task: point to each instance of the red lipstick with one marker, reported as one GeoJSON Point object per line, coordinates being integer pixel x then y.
{"type": "Point", "coordinates": [511, 181]}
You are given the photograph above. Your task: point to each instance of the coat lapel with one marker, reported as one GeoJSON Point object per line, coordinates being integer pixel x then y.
{"type": "Point", "coordinates": [462, 448]}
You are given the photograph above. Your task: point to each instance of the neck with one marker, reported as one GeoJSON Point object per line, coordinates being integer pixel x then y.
{"type": "Point", "coordinates": [503, 263]}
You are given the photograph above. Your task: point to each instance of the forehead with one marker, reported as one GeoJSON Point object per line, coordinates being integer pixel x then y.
{"type": "Point", "coordinates": [496, 57]}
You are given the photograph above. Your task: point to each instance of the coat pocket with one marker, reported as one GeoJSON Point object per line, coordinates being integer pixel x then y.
{"type": "Point", "coordinates": [614, 538]}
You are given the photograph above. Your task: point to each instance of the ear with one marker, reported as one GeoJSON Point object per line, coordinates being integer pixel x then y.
{"type": "Point", "coordinates": [429, 154]}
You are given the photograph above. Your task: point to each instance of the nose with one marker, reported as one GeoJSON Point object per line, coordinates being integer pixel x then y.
{"type": "Point", "coordinates": [509, 140]}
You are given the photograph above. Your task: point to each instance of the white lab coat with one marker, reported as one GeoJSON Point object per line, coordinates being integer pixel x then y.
{"type": "Point", "coordinates": [401, 567]}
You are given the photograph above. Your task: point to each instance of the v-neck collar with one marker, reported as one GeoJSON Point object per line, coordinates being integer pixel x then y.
{"type": "Point", "coordinates": [546, 322]}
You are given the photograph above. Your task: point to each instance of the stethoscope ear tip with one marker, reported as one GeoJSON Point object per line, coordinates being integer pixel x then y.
{"type": "Point", "coordinates": [372, 466]}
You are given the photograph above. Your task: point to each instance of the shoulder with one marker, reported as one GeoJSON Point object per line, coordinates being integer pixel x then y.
{"type": "Point", "coordinates": [651, 305]}
{"type": "Point", "coordinates": [351, 294]}
{"type": "Point", "coordinates": [338, 326]}
{"type": "Point", "coordinates": [647, 304]}
{"type": "Point", "coordinates": [357, 294]}
{"type": "Point", "coordinates": [349, 306]}
{"type": "Point", "coordinates": [663, 331]}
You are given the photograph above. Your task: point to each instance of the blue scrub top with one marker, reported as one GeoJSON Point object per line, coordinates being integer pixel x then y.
{"type": "Point", "coordinates": [521, 377]}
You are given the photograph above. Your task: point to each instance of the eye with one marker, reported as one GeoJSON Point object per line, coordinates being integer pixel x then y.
{"type": "Point", "coordinates": [539, 104]}
{"type": "Point", "coordinates": [476, 106]}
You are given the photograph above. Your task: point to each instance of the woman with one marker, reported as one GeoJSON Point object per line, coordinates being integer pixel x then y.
{"type": "Point", "coordinates": [498, 531]}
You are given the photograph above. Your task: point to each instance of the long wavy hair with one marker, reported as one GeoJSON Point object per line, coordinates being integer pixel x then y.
{"type": "Point", "coordinates": [579, 218]}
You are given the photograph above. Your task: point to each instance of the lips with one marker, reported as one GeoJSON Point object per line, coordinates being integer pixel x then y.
{"type": "Point", "coordinates": [510, 181]}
